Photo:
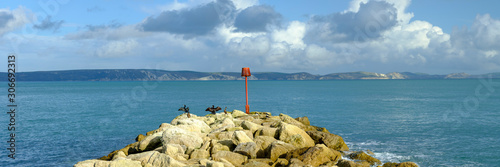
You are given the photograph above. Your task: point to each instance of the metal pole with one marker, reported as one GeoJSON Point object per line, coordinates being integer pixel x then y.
{"type": "Point", "coordinates": [247, 107]}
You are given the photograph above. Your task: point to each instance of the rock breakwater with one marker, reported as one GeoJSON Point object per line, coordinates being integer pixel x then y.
{"type": "Point", "coordinates": [238, 139]}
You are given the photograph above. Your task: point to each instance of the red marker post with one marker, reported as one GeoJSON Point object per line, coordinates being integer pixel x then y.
{"type": "Point", "coordinates": [245, 72]}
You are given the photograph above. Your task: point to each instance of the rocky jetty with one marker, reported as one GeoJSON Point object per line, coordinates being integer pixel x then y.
{"type": "Point", "coordinates": [238, 139]}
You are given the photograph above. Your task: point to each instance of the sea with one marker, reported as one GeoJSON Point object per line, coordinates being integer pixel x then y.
{"type": "Point", "coordinates": [430, 122]}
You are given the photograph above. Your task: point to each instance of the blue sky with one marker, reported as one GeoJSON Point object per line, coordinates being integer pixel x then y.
{"type": "Point", "coordinates": [320, 37]}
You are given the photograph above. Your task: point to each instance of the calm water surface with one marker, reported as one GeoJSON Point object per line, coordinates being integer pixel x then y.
{"type": "Point", "coordinates": [431, 122]}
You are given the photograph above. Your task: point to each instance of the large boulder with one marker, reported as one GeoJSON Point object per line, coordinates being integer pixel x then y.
{"type": "Point", "coordinates": [319, 154]}
{"type": "Point", "coordinates": [272, 122]}
{"type": "Point", "coordinates": [330, 140]}
{"type": "Point", "coordinates": [120, 154]}
{"type": "Point", "coordinates": [129, 149]}
{"type": "Point", "coordinates": [248, 149]}
{"type": "Point", "coordinates": [403, 164]}
{"type": "Point", "coordinates": [222, 124]}
{"type": "Point", "coordinates": [267, 131]}
{"type": "Point", "coordinates": [263, 142]}
{"type": "Point", "coordinates": [155, 158]}
{"type": "Point", "coordinates": [263, 160]}
{"type": "Point", "coordinates": [175, 151]}
{"type": "Point", "coordinates": [215, 164]}
{"type": "Point", "coordinates": [250, 126]}
{"type": "Point", "coordinates": [294, 162]}
{"type": "Point", "coordinates": [149, 142]}
{"type": "Point", "coordinates": [234, 158]}
{"type": "Point", "coordinates": [222, 145]}
{"type": "Point", "coordinates": [123, 162]}
{"type": "Point", "coordinates": [295, 136]}
{"type": "Point", "coordinates": [240, 137]}
{"type": "Point", "coordinates": [119, 162]}
{"type": "Point", "coordinates": [200, 153]}
{"type": "Point", "coordinates": [256, 164]}
{"type": "Point", "coordinates": [226, 135]}
{"type": "Point", "coordinates": [183, 116]}
{"type": "Point", "coordinates": [139, 137]}
{"type": "Point", "coordinates": [279, 149]}
{"type": "Point", "coordinates": [238, 113]}
{"type": "Point", "coordinates": [362, 156]}
{"type": "Point", "coordinates": [162, 128]}
{"type": "Point", "coordinates": [346, 163]}
{"type": "Point", "coordinates": [407, 164]}
{"type": "Point", "coordinates": [175, 135]}
{"type": "Point", "coordinates": [193, 125]}
{"type": "Point", "coordinates": [304, 120]}
{"type": "Point", "coordinates": [280, 162]}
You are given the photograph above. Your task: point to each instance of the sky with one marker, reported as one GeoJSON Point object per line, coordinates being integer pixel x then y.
{"type": "Point", "coordinates": [319, 37]}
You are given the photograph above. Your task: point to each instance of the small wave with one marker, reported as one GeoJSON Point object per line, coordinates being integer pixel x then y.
{"type": "Point", "coordinates": [390, 157]}
{"type": "Point", "coordinates": [360, 144]}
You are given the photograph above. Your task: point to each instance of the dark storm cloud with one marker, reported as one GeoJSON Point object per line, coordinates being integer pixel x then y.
{"type": "Point", "coordinates": [192, 22]}
{"type": "Point", "coordinates": [48, 24]}
{"type": "Point", "coordinates": [5, 18]}
{"type": "Point", "coordinates": [256, 19]}
{"type": "Point", "coordinates": [369, 22]}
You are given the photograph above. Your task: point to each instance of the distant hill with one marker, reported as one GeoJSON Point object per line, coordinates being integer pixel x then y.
{"type": "Point", "coordinates": [163, 75]}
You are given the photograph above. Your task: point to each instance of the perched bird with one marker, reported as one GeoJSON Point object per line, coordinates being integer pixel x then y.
{"type": "Point", "coordinates": [225, 112]}
{"type": "Point", "coordinates": [185, 109]}
{"type": "Point", "coordinates": [213, 109]}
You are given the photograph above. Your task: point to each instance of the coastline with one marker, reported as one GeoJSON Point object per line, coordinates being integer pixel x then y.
{"type": "Point", "coordinates": [238, 139]}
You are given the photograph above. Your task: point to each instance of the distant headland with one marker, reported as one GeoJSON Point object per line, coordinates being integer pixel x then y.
{"type": "Point", "coordinates": [163, 75]}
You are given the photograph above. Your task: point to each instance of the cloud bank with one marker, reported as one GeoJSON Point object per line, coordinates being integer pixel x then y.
{"type": "Point", "coordinates": [224, 35]}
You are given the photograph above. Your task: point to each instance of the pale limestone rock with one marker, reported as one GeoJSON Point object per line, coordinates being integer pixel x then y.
{"type": "Point", "coordinates": [240, 137]}
{"type": "Point", "coordinates": [294, 162]}
{"type": "Point", "coordinates": [222, 145]}
{"type": "Point", "coordinates": [123, 162]}
{"type": "Point", "coordinates": [255, 164]}
{"type": "Point", "coordinates": [173, 149]}
{"type": "Point", "coordinates": [278, 149]}
{"type": "Point", "coordinates": [92, 163]}
{"type": "Point", "coordinates": [234, 158]}
{"type": "Point", "coordinates": [248, 149]}
{"type": "Point", "coordinates": [215, 164]}
{"type": "Point", "coordinates": [280, 162]}
{"type": "Point", "coordinates": [223, 124]}
{"type": "Point", "coordinates": [175, 135]}
{"type": "Point", "coordinates": [362, 156]}
{"type": "Point", "coordinates": [250, 126]}
{"type": "Point", "coordinates": [119, 154]}
{"type": "Point", "coordinates": [266, 161]}
{"type": "Point", "coordinates": [149, 142]}
{"type": "Point", "coordinates": [330, 140]}
{"type": "Point", "coordinates": [304, 120]}
{"type": "Point", "coordinates": [238, 113]}
{"type": "Point", "coordinates": [118, 162]}
{"type": "Point", "coordinates": [319, 154]}
{"type": "Point", "coordinates": [267, 131]}
{"type": "Point", "coordinates": [183, 116]}
{"type": "Point", "coordinates": [162, 128]}
{"type": "Point", "coordinates": [155, 158]}
{"type": "Point", "coordinates": [407, 164]}
{"type": "Point", "coordinates": [221, 135]}
{"type": "Point", "coordinates": [193, 125]}
{"type": "Point", "coordinates": [295, 136]}
{"type": "Point", "coordinates": [226, 162]}
{"type": "Point", "coordinates": [200, 153]}
{"type": "Point", "coordinates": [263, 142]}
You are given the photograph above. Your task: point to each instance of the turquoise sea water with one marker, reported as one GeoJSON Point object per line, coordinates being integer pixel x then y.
{"type": "Point", "coordinates": [430, 122]}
